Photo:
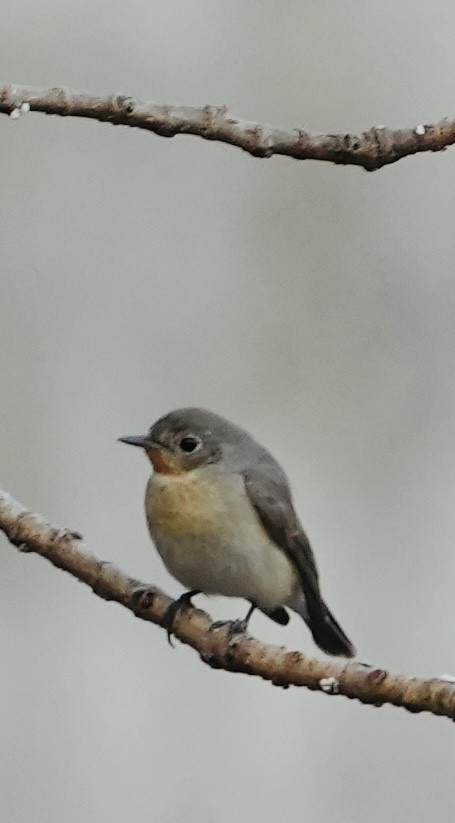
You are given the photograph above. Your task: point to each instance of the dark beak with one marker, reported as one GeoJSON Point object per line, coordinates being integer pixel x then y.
{"type": "Point", "coordinates": [142, 440]}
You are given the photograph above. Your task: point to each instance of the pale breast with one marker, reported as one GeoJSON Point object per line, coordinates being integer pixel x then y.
{"type": "Point", "coordinates": [211, 539]}
{"type": "Point", "coordinates": [185, 505]}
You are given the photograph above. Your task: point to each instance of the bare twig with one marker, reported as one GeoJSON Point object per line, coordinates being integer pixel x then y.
{"type": "Point", "coordinates": [372, 150]}
{"type": "Point", "coordinates": [31, 533]}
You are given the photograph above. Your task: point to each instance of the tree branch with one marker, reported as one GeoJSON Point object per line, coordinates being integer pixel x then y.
{"type": "Point", "coordinates": [372, 150]}
{"type": "Point", "coordinates": [31, 533]}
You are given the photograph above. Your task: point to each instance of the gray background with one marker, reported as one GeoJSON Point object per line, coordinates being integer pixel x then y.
{"type": "Point", "coordinates": [313, 304]}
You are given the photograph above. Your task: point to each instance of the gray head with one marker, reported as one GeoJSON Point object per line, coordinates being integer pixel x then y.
{"type": "Point", "coordinates": [187, 438]}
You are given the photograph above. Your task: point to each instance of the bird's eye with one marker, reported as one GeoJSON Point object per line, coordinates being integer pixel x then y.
{"type": "Point", "coordinates": [189, 443]}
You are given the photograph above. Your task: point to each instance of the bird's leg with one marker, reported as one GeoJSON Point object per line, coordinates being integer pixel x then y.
{"type": "Point", "coordinates": [234, 627]}
{"type": "Point", "coordinates": [177, 606]}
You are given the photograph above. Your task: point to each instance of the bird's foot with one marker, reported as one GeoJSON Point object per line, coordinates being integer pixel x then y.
{"type": "Point", "coordinates": [232, 627]}
{"type": "Point", "coordinates": [182, 603]}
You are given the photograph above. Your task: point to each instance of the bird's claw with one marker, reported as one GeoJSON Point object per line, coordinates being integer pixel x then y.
{"type": "Point", "coordinates": [182, 603]}
{"type": "Point", "coordinates": [232, 627]}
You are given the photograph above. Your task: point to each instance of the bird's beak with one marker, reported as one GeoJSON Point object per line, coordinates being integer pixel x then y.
{"type": "Point", "coordinates": [142, 440]}
{"type": "Point", "coordinates": [160, 457]}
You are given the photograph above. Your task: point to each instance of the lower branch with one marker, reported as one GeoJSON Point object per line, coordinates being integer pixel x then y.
{"type": "Point", "coordinates": [31, 533]}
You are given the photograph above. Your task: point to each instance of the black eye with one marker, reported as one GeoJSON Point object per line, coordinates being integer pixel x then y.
{"type": "Point", "coordinates": [189, 444]}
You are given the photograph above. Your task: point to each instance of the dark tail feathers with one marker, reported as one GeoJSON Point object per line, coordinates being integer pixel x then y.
{"type": "Point", "coordinates": [327, 633]}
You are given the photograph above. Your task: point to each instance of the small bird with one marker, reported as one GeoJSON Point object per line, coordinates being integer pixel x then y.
{"type": "Point", "coordinates": [220, 512]}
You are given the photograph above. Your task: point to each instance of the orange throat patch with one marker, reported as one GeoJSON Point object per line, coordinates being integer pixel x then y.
{"type": "Point", "coordinates": [163, 461]}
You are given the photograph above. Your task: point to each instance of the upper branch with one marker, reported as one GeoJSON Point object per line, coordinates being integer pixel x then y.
{"type": "Point", "coordinates": [373, 149]}
{"type": "Point", "coordinates": [31, 533]}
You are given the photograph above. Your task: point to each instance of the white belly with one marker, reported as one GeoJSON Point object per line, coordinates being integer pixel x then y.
{"type": "Point", "coordinates": [210, 538]}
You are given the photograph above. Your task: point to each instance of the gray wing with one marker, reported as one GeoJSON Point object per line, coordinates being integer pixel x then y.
{"type": "Point", "coordinates": [269, 493]}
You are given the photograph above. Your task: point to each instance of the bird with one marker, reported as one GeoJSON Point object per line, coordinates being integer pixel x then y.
{"type": "Point", "coordinates": [220, 512]}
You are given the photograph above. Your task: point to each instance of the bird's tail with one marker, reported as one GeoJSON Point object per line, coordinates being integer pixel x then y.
{"type": "Point", "coordinates": [327, 633]}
